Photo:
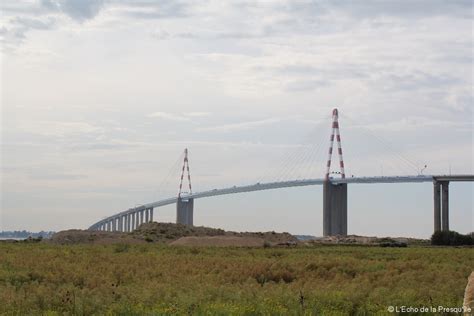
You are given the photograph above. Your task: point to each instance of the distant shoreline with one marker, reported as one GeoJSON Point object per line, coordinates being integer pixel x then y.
{"type": "Point", "coordinates": [12, 238]}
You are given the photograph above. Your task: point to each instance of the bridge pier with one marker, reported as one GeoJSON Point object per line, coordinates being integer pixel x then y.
{"type": "Point", "coordinates": [445, 207]}
{"type": "Point", "coordinates": [184, 211]}
{"type": "Point", "coordinates": [437, 205]}
{"type": "Point", "coordinates": [441, 205]}
{"type": "Point", "coordinates": [334, 209]}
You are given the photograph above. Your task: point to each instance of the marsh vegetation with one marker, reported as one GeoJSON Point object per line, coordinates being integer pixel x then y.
{"type": "Point", "coordinates": [156, 279]}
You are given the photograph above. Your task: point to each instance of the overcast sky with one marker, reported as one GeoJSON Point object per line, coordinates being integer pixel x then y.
{"type": "Point", "coordinates": [99, 99]}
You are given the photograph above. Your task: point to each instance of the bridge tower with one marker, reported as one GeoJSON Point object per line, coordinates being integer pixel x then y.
{"type": "Point", "coordinates": [185, 205]}
{"type": "Point", "coordinates": [335, 195]}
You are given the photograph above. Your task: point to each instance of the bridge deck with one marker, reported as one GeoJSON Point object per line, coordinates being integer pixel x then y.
{"type": "Point", "coordinates": [288, 184]}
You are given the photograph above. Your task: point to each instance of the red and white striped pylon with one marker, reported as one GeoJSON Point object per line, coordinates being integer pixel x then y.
{"type": "Point", "coordinates": [185, 164]}
{"type": "Point", "coordinates": [335, 131]}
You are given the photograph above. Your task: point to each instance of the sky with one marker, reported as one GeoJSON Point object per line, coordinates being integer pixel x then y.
{"type": "Point", "coordinates": [100, 98]}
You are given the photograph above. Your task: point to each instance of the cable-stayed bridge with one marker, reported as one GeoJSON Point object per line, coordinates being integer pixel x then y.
{"type": "Point", "coordinates": [334, 195]}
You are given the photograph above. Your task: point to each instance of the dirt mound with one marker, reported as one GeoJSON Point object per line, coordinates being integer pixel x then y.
{"type": "Point", "coordinates": [271, 238]}
{"type": "Point", "coordinates": [76, 236]}
{"type": "Point", "coordinates": [365, 240]}
{"type": "Point", "coordinates": [169, 232]}
{"type": "Point", "coordinates": [166, 232]}
{"type": "Point", "coordinates": [219, 241]}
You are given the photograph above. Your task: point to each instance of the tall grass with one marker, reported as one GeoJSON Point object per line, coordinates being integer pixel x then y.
{"type": "Point", "coordinates": [151, 279]}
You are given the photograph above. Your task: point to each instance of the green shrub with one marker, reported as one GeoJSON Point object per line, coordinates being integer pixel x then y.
{"type": "Point", "coordinates": [451, 238]}
{"type": "Point", "coordinates": [121, 248]}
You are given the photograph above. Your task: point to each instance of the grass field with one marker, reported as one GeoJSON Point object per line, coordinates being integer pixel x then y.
{"type": "Point", "coordinates": [152, 279]}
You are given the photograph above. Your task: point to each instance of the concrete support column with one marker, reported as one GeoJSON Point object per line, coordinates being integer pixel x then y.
{"type": "Point", "coordinates": [445, 208]}
{"type": "Point", "coordinates": [147, 216]}
{"type": "Point", "coordinates": [141, 216]}
{"type": "Point", "coordinates": [133, 221]}
{"type": "Point", "coordinates": [437, 205]}
{"type": "Point", "coordinates": [129, 222]}
{"type": "Point", "coordinates": [151, 215]}
{"type": "Point", "coordinates": [334, 209]}
{"type": "Point", "coordinates": [185, 211]}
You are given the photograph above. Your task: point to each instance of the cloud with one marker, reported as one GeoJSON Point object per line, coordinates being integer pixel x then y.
{"type": "Point", "coordinates": [197, 114]}
{"type": "Point", "coordinates": [59, 129]}
{"type": "Point", "coordinates": [17, 21]}
{"type": "Point", "coordinates": [56, 176]}
{"type": "Point", "coordinates": [79, 10]}
{"type": "Point", "coordinates": [417, 80]}
{"type": "Point", "coordinates": [404, 9]}
{"type": "Point", "coordinates": [169, 116]}
{"type": "Point", "coordinates": [419, 123]}
{"type": "Point", "coordinates": [153, 9]}
{"type": "Point", "coordinates": [15, 29]}
{"type": "Point", "coordinates": [186, 116]}
{"type": "Point", "coordinates": [306, 85]}
{"type": "Point", "coordinates": [239, 126]}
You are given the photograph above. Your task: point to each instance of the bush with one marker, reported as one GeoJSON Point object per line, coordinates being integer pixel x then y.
{"type": "Point", "coordinates": [451, 238]}
{"type": "Point", "coordinates": [121, 248]}
{"type": "Point", "coordinates": [394, 244]}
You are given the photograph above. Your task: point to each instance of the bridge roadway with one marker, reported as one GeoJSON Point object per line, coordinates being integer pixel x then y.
{"type": "Point", "coordinates": [144, 213]}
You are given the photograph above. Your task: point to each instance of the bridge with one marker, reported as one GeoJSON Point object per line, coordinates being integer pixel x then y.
{"type": "Point", "coordinates": [334, 196]}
